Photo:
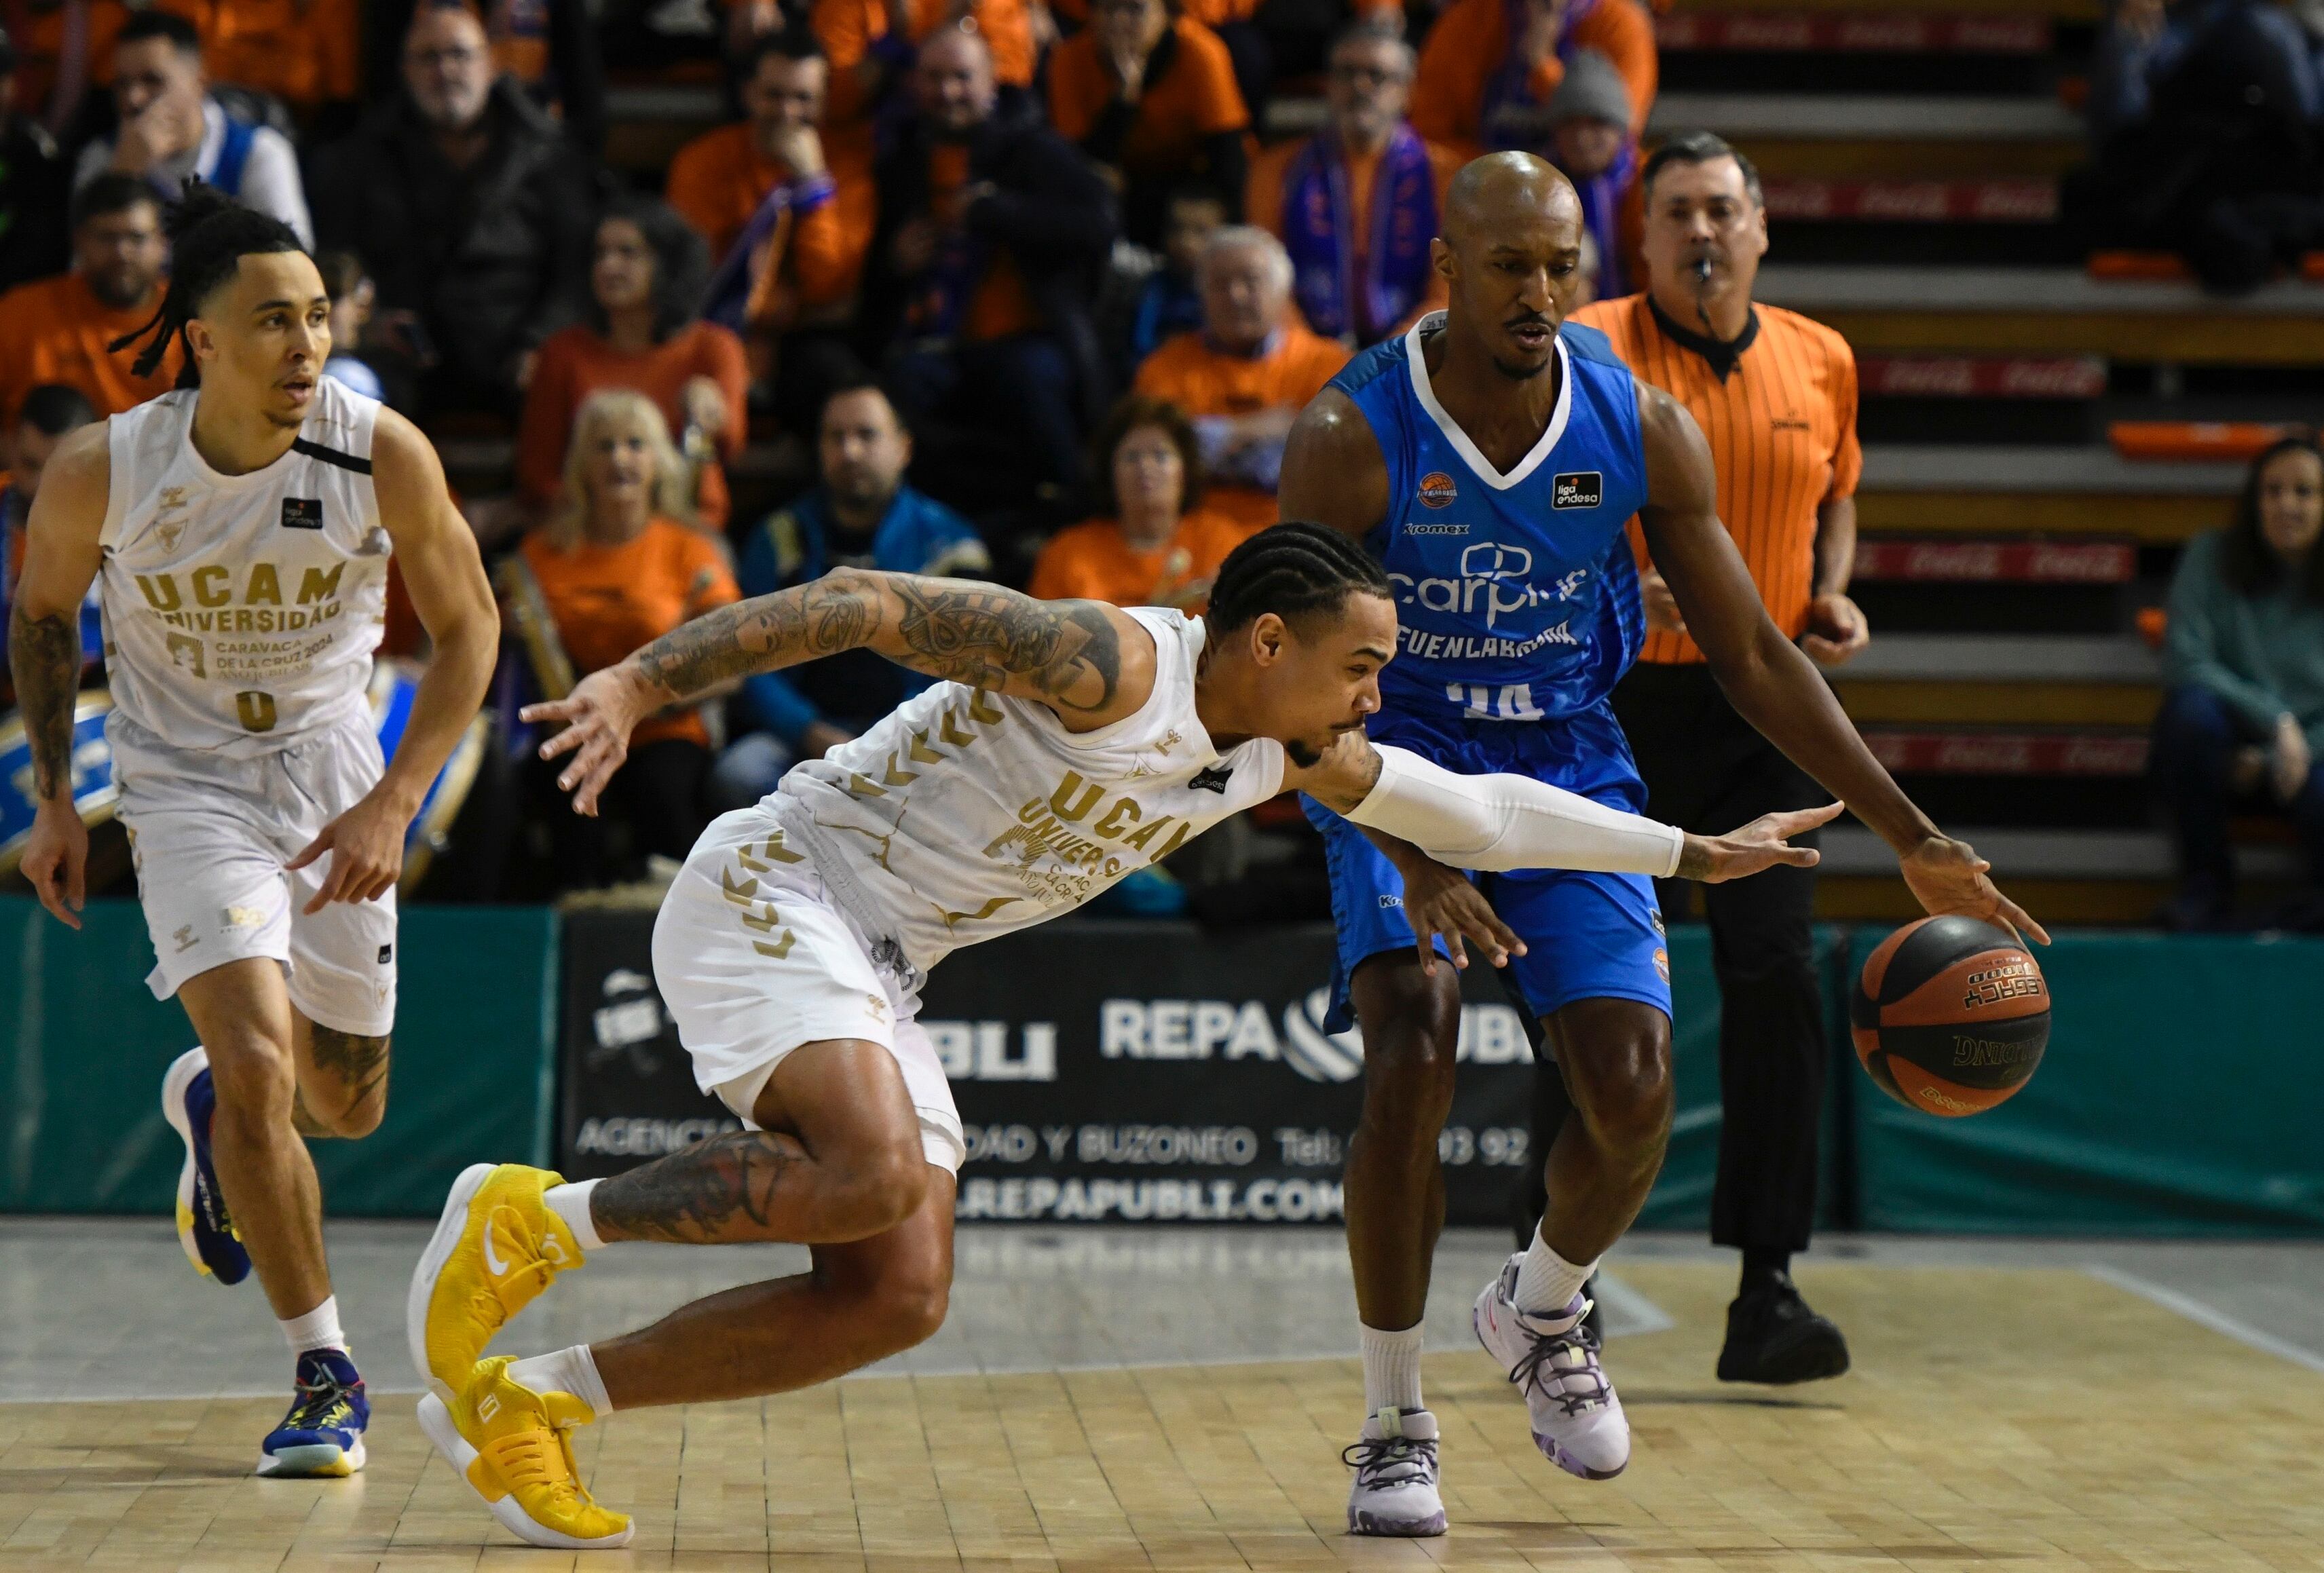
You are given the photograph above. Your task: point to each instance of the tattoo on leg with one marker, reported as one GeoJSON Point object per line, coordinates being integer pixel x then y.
{"type": "Point", "coordinates": [303, 1120]}
{"type": "Point", "coordinates": [358, 1064]}
{"type": "Point", "coordinates": [723, 1188]}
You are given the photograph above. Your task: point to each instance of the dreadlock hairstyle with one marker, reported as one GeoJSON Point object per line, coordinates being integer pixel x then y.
{"type": "Point", "coordinates": [1295, 571]}
{"type": "Point", "coordinates": [209, 234]}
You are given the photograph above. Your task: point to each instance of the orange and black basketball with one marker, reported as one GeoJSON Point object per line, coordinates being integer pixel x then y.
{"type": "Point", "coordinates": [1951, 1016]}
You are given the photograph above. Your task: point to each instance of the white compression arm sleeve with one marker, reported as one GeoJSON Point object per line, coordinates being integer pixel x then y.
{"type": "Point", "coordinates": [1509, 821]}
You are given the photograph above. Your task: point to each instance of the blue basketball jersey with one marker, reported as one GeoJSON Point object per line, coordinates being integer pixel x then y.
{"type": "Point", "coordinates": [1517, 596]}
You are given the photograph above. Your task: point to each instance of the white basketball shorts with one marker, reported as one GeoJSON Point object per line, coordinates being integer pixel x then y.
{"type": "Point", "coordinates": [753, 958]}
{"type": "Point", "coordinates": [211, 835]}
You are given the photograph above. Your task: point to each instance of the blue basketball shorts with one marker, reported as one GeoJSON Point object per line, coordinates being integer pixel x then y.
{"type": "Point", "coordinates": [1587, 935]}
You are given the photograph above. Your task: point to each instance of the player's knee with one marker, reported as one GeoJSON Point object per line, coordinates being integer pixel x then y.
{"type": "Point", "coordinates": [916, 1300]}
{"type": "Point", "coordinates": [254, 1078]}
{"type": "Point", "coordinates": [1412, 1029]}
{"type": "Point", "coordinates": [1622, 1089]}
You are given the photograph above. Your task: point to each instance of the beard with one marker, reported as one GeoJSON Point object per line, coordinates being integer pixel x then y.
{"type": "Point", "coordinates": [1304, 755]}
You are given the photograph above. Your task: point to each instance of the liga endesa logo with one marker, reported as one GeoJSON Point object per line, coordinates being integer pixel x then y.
{"type": "Point", "coordinates": [1437, 490]}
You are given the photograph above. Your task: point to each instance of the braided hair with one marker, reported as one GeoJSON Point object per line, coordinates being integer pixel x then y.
{"type": "Point", "coordinates": [1293, 571]}
{"type": "Point", "coordinates": [209, 234]}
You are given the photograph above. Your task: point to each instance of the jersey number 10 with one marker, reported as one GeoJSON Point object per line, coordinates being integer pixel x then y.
{"type": "Point", "coordinates": [1478, 703]}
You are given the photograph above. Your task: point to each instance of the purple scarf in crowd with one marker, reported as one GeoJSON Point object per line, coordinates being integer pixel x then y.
{"type": "Point", "coordinates": [1319, 231]}
{"type": "Point", "coordinates": [1511, 116]}
{"type": "Point", "coordinates": [1601, 212]}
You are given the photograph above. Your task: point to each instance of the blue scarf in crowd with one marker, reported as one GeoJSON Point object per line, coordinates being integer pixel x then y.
{"type": "Point", "coordinates": [1319, 231]}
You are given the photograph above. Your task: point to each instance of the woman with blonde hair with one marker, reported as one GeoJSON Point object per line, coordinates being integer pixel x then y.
{"type": "Point", "coordinates": [619, 563]}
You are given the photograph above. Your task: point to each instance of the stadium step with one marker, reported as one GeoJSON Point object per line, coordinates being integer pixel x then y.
{"type": "Point", "coordinates": [2036, 491]}
{"type": "Point", "coordinates": [2080, 10]}
{"type": "Point", "coordinates": [2050, 310]}
{"type": "Point", "coordinates": [2061, 875]}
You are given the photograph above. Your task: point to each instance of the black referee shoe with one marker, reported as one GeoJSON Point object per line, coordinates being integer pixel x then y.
{"type": "Point", "coordinates": [1774, 1338]}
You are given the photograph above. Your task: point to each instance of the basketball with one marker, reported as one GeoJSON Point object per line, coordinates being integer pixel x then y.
{"type": "Point", "coordinates": [1951, 1016]}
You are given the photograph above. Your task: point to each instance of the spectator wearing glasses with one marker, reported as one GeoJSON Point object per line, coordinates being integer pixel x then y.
{"type": "Point", "coordinates": [61, 329]}
{"type": "Point", "coordinates": [471, 209]}
{"type": "Point", "coordinates": [1357, 204]}
{"type": "Point", "coordinates": [172, 130]}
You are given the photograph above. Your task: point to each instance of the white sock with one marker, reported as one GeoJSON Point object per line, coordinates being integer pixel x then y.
{"type": "Point", "coordinates": [571, 1203]}
{"type": "Point", "coordinates": [1391, 1369]}
{"type": "Point", "coordinates": [317, 1330]}
{"type": "Point", "coordinates": [572, 1371]}
{"type": "Point", "coordinates": [1546, 1282]}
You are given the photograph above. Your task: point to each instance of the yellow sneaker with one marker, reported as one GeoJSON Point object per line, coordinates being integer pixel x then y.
{"type": "Point", "coordinates": [509, 1444]}
{"type": "Point", "coordinates": [495, 1248]}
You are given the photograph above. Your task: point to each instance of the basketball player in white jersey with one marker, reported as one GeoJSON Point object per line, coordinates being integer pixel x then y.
{"type": "Point", "coordinates": [240, 528]}
{"type": "Point", "coordinates": [1072, 742]}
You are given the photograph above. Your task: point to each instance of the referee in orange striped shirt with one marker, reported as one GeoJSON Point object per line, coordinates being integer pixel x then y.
{"type": "Point", "coordinates": [1775, 395]}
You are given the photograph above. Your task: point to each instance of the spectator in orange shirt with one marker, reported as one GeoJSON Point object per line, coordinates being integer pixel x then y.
{"type": "Point", "coordinates": [1592, 143]}
{"type": "Point", "coordinates": [620, 566]}
{"type": "Point", "coordinates": [1490, 67]}
{"type": "Point", "coordinates": [1247, 375]}
{"type": "Point", "coordinates": [1357, 204]}
{"type": "Point", "coordinates": [305, 52]}
{"type": "Point", "coordinates": [981, 289]}
{"type": "Point", "coordinates": [1152, 547]}
{"type": "Point", "coordinates": [61, 329]}
{"type": "Point", "coordinates": [788, 215]}
{"type": "Point", "coordinates": [873, 44]}
{"type": "Point", "coordinates": [1152, 97]}
{"type": "Point", "coordinates": [641, 333]}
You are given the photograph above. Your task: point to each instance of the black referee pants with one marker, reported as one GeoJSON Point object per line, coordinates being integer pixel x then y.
{"type": "Point", "coordinates": [1708, 771]}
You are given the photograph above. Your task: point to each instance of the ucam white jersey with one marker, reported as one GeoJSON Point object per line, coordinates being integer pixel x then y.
{"type": "Point", "coordinates": [964, 815]}
{"type": "Point", "coordinates": [241, 611]}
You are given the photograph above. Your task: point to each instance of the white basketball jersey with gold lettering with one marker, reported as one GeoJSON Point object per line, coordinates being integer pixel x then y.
{"type": "Point", "coordinates": [963, 816]}
{"type": "Point", "coordinates": [241, 611]}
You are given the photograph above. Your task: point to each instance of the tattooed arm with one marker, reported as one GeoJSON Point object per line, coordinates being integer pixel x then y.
{"type": "Point", "coordinates": [1090, 663]}
{"type": "Point", "coordinates": [61, 556]}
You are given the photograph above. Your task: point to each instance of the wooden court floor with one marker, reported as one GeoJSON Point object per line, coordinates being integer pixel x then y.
{"type": "Point", "coordinates": [1997, 1419]}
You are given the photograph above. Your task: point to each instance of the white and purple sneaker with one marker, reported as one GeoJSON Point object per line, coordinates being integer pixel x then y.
{"type": "Point", "coordinates": [1394, 1493]}
{"type": "Point", "coordinates": [1553, 1360]}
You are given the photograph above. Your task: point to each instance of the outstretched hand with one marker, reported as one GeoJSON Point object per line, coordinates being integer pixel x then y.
{"type": "Point", "coordinates": [1761, 845]}
{"type": "Point", "coordinates": [1445, 903]}
{"type": "Point", "coordinates": [1948, 877]}
{"type": "Point", "coordinates": [603, 708]}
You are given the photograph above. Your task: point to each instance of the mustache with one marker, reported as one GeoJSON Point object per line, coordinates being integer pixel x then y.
{"type": "Point", "coordinates": [1530, 319]}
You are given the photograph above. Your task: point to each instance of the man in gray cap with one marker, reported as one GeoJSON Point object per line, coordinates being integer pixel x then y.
{"type": "Point", "coordinates": [1589, 122]}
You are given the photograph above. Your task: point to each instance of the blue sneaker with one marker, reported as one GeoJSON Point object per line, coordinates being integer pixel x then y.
{"type": "Point", "coordinates": [203, 1229]}
{"type": "Point", "coordinates": [323, 1434]}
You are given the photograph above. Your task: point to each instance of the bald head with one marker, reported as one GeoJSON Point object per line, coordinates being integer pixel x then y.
{"type": "Point", "coordinates": [953, 80]}
{"type": "Point", "coordinates": [1511, 255]}
{"type": "Point", "coordinates": [1492, 193]}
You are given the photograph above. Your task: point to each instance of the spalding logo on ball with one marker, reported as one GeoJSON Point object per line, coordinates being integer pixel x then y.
{"type": "Point", "coordinates": [1951, 1016]}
